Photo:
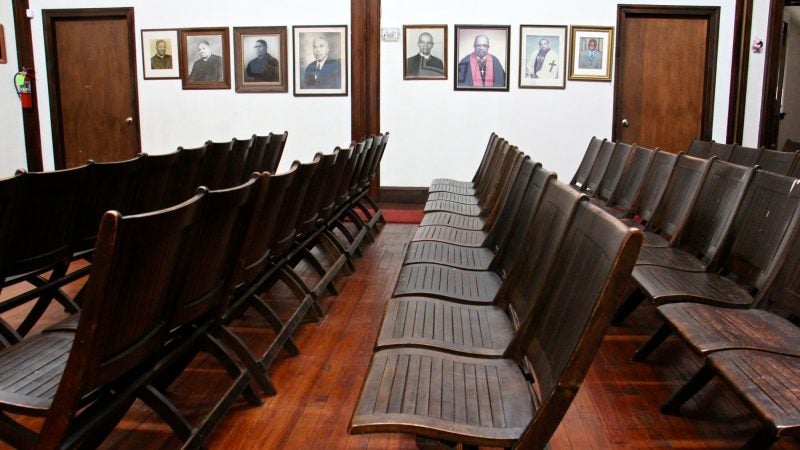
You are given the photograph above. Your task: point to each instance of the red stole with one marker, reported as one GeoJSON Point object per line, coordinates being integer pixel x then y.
{"type": "Point", "coordinates": [488, 79]}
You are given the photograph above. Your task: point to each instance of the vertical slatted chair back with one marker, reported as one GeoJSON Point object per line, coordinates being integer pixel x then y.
{"type": "Point", "coordinates": [329, 195]}
{"type": "Point", "coordinates": [790, 146]}
{"type": "Point", "coordinates": [486, 158]}
{"type": "Point", "coordinates": [599, 167]}
{"type": "Point", "coordinates": [541, 245]}
{"type": "Point", "coordinates": [256, 154]}
{"type": "Point", "coordinates": [565, 330]}
{"type": "Point", "coordinates": [712, 214]}
{"type": "Point", "coordinates": [316, 190]}
{"type": "Point", "coordinates": [9, 196]}
{"type": "Point", "coordinates": [343, 190]}
{"type": "Point", "coordinates": [376, 162]}
{"type": "Point", "coordinates": [501, 154]}
{"type": "Point", "coordinates": [44, 219]}
{"type": "Point", "coordinates": [261, 231]}
{"type": "Point", "coordinates": [679, 196]}
{"type": "Point", "coordinates": [274, 152]}
{"type": "Point", "coordinates": [632, 179]}
{"type": "Point", "coordinates": [109, 186]}
{"type": "Point", "coordinates": [720, 150]}
{"type": "Point", "coordinates": [286, 229]}
{"type": "Point", "coordinates": [237, 158]}
{"type": "Point", "coordinates": [215, 164]}
{"type": "Point", "coordinates": [184, 178]}
{"type": "Point", "coordinates": [777, 162]}
{"type": "Point", "coordinates": [589, 156]}
{"type": "Point", "coordinates": [498, 199]}
{"type": "Point", "coordinates": [505, 221]}
{"type": "Point", "coordinates": [655, 183]}
{"type": "Point", "coordinates": [221, 231]}
{"type": "Point", "coordinates": [372, 156]}
{"type": "Point", "coordinates": [613, 174]}
{"type": "Point", "coordinates": [745, 156]}
{"type": "Point", "coordinates": [152, 187]}
{"type": "Point", "coordinates": [363, 157]}
{"type": "Point", "coordinates": [762, 223]}
{"type": "Point", "coordinates": [699, 148]}
{"type": "Point", "coordinates": [782, 290]}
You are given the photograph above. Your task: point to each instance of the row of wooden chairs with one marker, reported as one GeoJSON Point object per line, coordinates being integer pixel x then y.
{"type": "Point", "coordinates": [718, 262]}
{"type": "Point", "coordinates": [167, 284]}
{"type": "Point", "coordinates": [784, 162]}
{"type": "Point", "coordinates": [488, 334]}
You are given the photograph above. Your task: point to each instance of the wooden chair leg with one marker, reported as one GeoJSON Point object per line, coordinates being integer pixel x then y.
{"type": "Point", "coordinates": [8, 335]}
{"type": "Point", "coordinates": [314, 262]}
{"type": "Point", "coordinates": [274, 322]}
{"type": "Point", "coordinates": [255, 368]}
{"type": "Point", "coordinates": [15, 434]}
{"type": "Point", "coordinates": [288, 329]}
{"type": "Point", "coordinates": [377, 209]}
{"type": "Point", "coordinates": [653, 343]}
{"type": "Point", "coordinates": [700, 379]}
{"type": "Point", "coordinates": [300, 290]}
{"type": "Point", "coordinates": [425, 443]}
{"type": "Point", "coordinates": [165, 409]}
{"type": "Point", "coordinates": [761, 440]}
{"type": "Point", "coordinates": [631, 303]}
{"type": "Point", "coordinates": [220, 353]}
{"type": "Point", "coordinates": [335, 248]}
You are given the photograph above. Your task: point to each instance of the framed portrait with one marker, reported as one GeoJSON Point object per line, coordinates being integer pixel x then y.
{"type": "Point", "coordinates": [542, 56]}
{"type": "Point", "coordinates": [3, 56]}
{"type": "Point", "coordinates": [205, 58]}
{"type": "Point", "coordinates": [320, 60]}
{"type": "Point", "coordinates": [590, 57]}
{"type": "Point", "coordinates": [481, 57]}
{"type": "Point", "coordinates": [160, 54]}
{"type": "Point", "coordinates": [424, 52]}
{"type": "Point", "coordinates": [259, 55]}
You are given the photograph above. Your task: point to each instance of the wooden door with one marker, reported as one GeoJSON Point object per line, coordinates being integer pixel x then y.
{"type": "Point", "coordinates": [664, 88]}
{"type": "Point", "coordinates": [91, 69]}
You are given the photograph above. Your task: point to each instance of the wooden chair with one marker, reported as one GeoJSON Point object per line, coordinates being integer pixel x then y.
{"type": "Point", "coordinates": [363, 201]}
{"type": "Point", "coordinates": [790, 146]}
{"type": "Point", "coordinates": [490, 402]}
{"type": "Point", "coordinates": [274, 152]}
{"type": "Point", "coordinates": [616, 166]}
{"type": "Point", "coordinates": [215, 164]}
{"type": "Point", "coordinates": [699, 148]}
{"type": "Point", "coordinates": [185, 175]}
{"type": "Point", "coordinates": [153, 188]}
{"type": "Point", "coordinates": [599, 168]}
{"type": "Point", "coordinates": [440, 184]}
{"type": "Point", "coordinates": [745, 156]}
{"type": "Point", "coordinates": [777, 162]}
{"type": "Point", "coordinates": [95, 370]}
{"type": "Point", "coordinates": [236, 165]}
{"type": "Point", "coordinates": [720, 150]}
{"type": "Point", "coordinates": [585, 167]}
{"type": "Point", "coordinates": [496, 152]}
{"type": "Point", "coordinates": [623, 199]}
{"type": "Point", "coordinates": [653, 188]}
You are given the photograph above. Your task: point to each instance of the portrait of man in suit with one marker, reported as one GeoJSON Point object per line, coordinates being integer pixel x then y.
{"type": "Point", "coordinates": [323, 72]}
{"type": "Point", "coordinates": [320, 60]}
{"type": "Point", "coordinates": [207, 66]}
{"type": "Point", "coordinates": [161, 60]}
{"type": "Point", "coordinates": [425, 64]}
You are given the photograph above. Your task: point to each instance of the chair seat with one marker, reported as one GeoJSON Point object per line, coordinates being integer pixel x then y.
{"type": "Point", "coordinates": [453, 221]}
{"type": "Point", "coordinates": [475, 401]}
{"type": "Point", "coordinates": [470, 258]}
{"type": "Point", "coordinates": [654, 240]}
{"type": "Point", "coordinates": [769, 383]}
{"type": "Point", "coordinates": [670, 257]}
{"type": "Point", "coordinates": [45, 355]}
{"type": "Point", "coordinates": [451, 197]}
{"type": "Point", "coordinates": [671, 286]}
{"type": "Point", "coordinates": [708, 329]}
{"type": "Point", "coordinates": [68, 324]}
{"type": "Point", "coordinates": [459, 285]}
{"type": "Point", "coordinates": [480, 330]}
{"type": "Point", "coordinates": [462, 190]}
{"type": "Point", "coordinates": [452, 207]}
{"type": "Point", "coordinates": [452, 182]}
{"type": "Point", "coordinates": [450, 235]}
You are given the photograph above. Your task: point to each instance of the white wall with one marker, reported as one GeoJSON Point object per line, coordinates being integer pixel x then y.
{"type": "Point", "coordinates": [12, 146]}
{"type": "Point", "coordinates": [438, 132]}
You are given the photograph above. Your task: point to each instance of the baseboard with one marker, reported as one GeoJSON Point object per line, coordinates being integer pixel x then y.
{"type": "Point", "coordinates": [403, 194]}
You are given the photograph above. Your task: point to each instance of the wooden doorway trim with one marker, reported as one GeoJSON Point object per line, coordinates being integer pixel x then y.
{"type": "Point", "coordinates": [49, 18]}
{"type": "Point", "coordinates": [742, 24]}
{"type": "Point", "coordinates": [624, 12]}
{"type": "Point", "coordinates": [365, 109]}
{"type": "Point", "coordinates": [30, 116]}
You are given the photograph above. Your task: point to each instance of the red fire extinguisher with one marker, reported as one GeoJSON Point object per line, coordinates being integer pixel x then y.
{"type": "Point", "coordinates": [22, 82]}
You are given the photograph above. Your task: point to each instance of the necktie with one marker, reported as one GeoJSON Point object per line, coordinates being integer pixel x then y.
{"type": "Point", "coordinates": [316, 72]}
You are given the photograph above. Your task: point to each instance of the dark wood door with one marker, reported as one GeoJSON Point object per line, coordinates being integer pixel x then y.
{"type": "Point", "coordinates": [664, 88]}
{"type": "Point", "coordinates": [91, 70]}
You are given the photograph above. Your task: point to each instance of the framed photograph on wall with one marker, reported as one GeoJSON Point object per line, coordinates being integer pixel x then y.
{"type": "Point", "coordinates": [590, 57]}
{"type": "Point", "coordinates": [259, 55]}
{"type": "Point", "coordinates": [482, 55]}
{"type": "Point", "coordinates": [320, 60]}
{"type": "Point", "coordinates": [160, 54]}
{"type": "Point", "coordinates": [424, 52]}
{"type": "Point", "coordinates": [3, 56]}
{"type": "Point", "coordinates": [205, 58]}
{"type": "Point", "coordinates": [542, 56]}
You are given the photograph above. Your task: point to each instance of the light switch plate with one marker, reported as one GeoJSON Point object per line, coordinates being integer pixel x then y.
{"type": "Point", "coordinates": [390, 34]}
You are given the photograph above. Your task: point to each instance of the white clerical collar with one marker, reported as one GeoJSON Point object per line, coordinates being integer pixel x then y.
{"type": "Point", "coordinates": [424, 56]}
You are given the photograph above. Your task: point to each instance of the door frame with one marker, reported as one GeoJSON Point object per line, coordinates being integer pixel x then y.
{"type": "Point", "coordinates": [711, 13]}
{"type": "Point", "coordinates": [49, 18]}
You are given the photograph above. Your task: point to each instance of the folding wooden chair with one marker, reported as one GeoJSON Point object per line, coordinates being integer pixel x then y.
{"type": "Point", "coordinates": [699, 148]}
{"type": "Point", "coordinates": [237, 159]}
{"type": "Point", "coordinates": [720, 150]}
{"type": "Point", "coordinates": [790, 146]}
{"type": "Point", "coordinates": [631, 182]}
{"type": "Point", "coordinates": [595, 176]}
{"type": "Point", "coordinates": [215, 163]}
{"type": "Point", "coordinates": [589, 157]}
{"type": "Point", "coordinates": [745, 156]}
{"type": "Point", "coordinates": [274, 152]}
{"type": "Point", "coordinates": [653, 188]}
{"type": "Point", "coordinates": [778, 162]}
{"type": "Point", "coordinates": [152, 191]}
{"type": "Point", "coordinates": [614, 170]}
{"type": "Point", "coordinates": [440, 184]}
{"type": "Point", "coordinates": [185, 175]}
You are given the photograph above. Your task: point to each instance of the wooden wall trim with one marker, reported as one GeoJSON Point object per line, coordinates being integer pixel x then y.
{"type": "Point", "coordinates": [740, 61]}
{"type": "Point", "coordinates": [30, 117]}
{"type": "Point", "coordinates": [770, 85]}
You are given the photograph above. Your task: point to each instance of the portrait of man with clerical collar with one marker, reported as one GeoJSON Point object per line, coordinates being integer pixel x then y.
{"type": "Point", "coordinates": [542, 56]}
{"type": "Point", "coordinates": [482, 53]}
{"type": "Point", "coordinates": [425, 52]}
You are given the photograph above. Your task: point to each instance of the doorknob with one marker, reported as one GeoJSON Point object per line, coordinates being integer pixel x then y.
{"type": "Point", "coordinates": [129, 120]}
{"type": "Point", "coordinates": [625, 123]}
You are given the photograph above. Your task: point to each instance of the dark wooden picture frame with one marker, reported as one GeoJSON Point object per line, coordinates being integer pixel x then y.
{"type": "Point", "coordinates": [247, 42]}
{"type": "Point", "coordinates": [542, 56]}
{"type": "Point", "coordinates": [331, 78]}
{"type": "Point", "coordinates": [587, 63]}
{"type": "Point", "coordinates": [3, 56]}
{"type": "Point", "coordinates": [467, 67]}
{"type": "Point", "coordinates": [167, 66]}
{"type": "Point", "coordinates": [418, 67]}
{"type": "Point", "coordinates": [215, 71]}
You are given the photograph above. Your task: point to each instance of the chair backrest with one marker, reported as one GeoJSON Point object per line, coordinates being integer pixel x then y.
{"type": "Point", "coordinates": [502, 230]}
{"type": "Point", "coordinates": [655, 183]}
{"type": "Point", "coordinates": [310, 211]}
{"type": "Point", "coordinates": [376, 162]}
{"type": "Point", "coordinates": [745, 156]}
{"type": "Point", "coordinates": [237, 158]}
{"type": "Point", "coordinates": [486, 158]}
{"type": "Point", "coordinates": [632, 179]}
{"type": "Point", "coordinates": [498, 198]}
{"type": "Point", "coordinates": [599, 167]}
{"type": "Point", "coordinates": [761, 224]}
{"type": "Point", "coordinates": [184, 178]}
{"type": "Point", "coordinates": [152, 187]}
{"type": "Point", "coordinates": [486, 183]}
{"type": "Point", "coordinates": [256, 154]}
{"type": "Point", "coordinates": [286, 229]}
{"type": "Point", "coordinates": [782, 289]}
{"type": "Point", "coordinates": [372, 156]}
{"type": "Point", "coordinates": [589, 156]}
{"type": "Point", "coordinates": [329, 195]}
{"type": "Point", "coordinates": [679, 197]}
{"type": "Point", "coordinates": [776, 161]}
{"type": "Point", "coordinates": [790, 146]}
{"type": "Point", "coordinates": [565, 330]}
{"type": "Point", "coordinates": [711, 216]}
{"type": "Point", "coordinates": [44, 219]}
{"type": "Point", "coordinates": [274, 153]}
{"type": "Point", "coordinates": [616, 165]}
{"type": "Point", "coordinates": [109, 185]}
{"type": "Point", "coordinates": [720, 150]}
{"type": "Point", "coordinates": [9, 196]}
{"type": "Point", "coordinates": [699, 148]}
{"type": "Point", "coordinates": [215, 163]}
{"type": "Point", "coordinates": [363, 158]}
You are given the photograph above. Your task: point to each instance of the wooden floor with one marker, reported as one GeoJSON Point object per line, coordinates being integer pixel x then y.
{"type": "Point", "coordinates": [617, 406]}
